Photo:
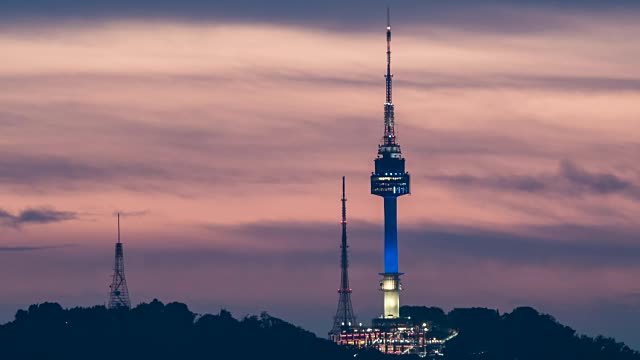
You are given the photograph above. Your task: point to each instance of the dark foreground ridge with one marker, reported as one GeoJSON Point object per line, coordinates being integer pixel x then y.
{"type": "Point", "coordinates": [172, 331]}
{"type": "Point", "coordinates": [523, 334]}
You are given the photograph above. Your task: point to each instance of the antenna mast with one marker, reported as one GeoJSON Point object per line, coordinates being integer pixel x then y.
{"type": "Point", "coordinates": [345, 317]}
{"type": "Point", "coordinates": [119, 293]}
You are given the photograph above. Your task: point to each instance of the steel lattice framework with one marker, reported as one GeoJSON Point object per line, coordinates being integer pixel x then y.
{"type": "Point", "coordinates": [119, 294]}
{"type": "Point", "coordinates": [345, 317]}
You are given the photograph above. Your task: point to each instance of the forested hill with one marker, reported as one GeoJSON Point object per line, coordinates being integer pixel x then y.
{"type": "Point", "coordinates": [523, 334]}
{"type": "Point", "coordinates": [155, 331]}
{"type": "Point", "coordinates": [172, 331]}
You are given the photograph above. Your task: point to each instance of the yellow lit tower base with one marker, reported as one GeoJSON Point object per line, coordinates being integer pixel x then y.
{"type": "Point", "coordinates": [391, 287]}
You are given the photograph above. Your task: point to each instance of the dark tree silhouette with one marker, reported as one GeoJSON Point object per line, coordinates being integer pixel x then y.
{"type": "Point", "coordinates": [523, 334]}
{"type": "Point", "coordinates": [172, 331]}
{"type": "Point", "coordinates": [158, 331]}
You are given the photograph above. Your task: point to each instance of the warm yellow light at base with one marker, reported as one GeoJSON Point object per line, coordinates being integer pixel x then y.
{"type": "Point", "coordinates": [392, 304]}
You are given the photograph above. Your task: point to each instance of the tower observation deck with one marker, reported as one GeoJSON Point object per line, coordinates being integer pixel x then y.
{"type": "Point", "coordinates": [390, 180]}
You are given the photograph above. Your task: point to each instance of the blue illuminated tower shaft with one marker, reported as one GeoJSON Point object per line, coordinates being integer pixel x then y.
{"type": "Point", "coordinates": [390, 234]}
{"type": "Point", "coordinates": [390, 180]}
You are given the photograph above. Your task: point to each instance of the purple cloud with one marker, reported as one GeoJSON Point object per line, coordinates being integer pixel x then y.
{"type": "Point", "coordinates": [35, 216]}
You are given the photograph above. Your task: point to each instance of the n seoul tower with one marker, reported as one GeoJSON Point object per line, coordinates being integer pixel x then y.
{"type": "Point", "coordinates": [390, 180]}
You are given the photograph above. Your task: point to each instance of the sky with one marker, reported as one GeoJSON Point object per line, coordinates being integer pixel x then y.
{"type": "Point", "coordinates": [221, 130]}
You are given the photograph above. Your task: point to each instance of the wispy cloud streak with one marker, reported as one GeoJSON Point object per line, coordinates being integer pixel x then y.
{"type": "Point", "coordinates": [30, 248]}
{"type": "Point", "coordinates": [569, 180]}
{"type": "Point", "coordinates": [35, 216]}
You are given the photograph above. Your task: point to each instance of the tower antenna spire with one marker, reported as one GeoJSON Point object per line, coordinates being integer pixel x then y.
{"type": "Point", "coordinates": [388, 17]}
{"type": "Point", "coordinates": [344, 203]}
{"type": "Point", "coordinates": [118, 228]}
{"type": "Point", "coordinates": [389, 122]}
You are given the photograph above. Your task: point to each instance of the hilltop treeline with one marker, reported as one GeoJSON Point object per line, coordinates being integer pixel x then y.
{"type": "Point", "coordinates": [523, 334]}
{"type": "Point", "coordinates": [158, 331]}
{"type": "Point", "coordinates": [172, 331]}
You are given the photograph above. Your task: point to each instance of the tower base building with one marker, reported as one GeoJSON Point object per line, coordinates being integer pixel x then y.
{"type": "Point", "coordinates": [393, 336]}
